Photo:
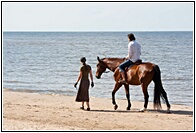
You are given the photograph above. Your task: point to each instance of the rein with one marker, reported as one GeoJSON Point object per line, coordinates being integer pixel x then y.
{"type": "Point", "coordinates": [106, 71]}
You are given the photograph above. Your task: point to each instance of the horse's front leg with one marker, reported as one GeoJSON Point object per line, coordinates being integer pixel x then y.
{"type": "Point", "coordinates": [116, 87]}
{"type": "Point", "coordinates": [128, 96]}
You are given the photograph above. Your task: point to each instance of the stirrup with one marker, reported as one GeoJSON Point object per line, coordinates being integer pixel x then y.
{"type": "Point", "coordinates": [122, 81]}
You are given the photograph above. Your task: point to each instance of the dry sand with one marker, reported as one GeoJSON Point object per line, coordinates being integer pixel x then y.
{"type": "Point", "coordinates": [29, 111]}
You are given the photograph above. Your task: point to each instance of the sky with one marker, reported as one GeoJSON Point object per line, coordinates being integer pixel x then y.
{"type": "Point", "coordinates": [98, 16]}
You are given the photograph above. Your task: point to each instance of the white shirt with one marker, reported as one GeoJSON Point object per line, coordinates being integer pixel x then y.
{"type": "Point", "coordinates": [134, 51]}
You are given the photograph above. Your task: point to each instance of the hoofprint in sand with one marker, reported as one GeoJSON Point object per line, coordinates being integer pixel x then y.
{"type": "Point", "coordinates": [30, 111]}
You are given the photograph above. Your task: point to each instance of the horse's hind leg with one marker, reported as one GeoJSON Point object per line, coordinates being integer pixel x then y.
{"type": "Point", "coordinates": [128, 96]}
{"type": "Point", "coordinates": [116, 87]}
{"type": "Point", "coordinates": [164, 94]}
{"type": "Point", "coordinates": [146, 96]}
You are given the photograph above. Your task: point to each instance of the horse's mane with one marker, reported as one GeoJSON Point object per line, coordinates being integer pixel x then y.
{"type": "Point", "coordinates": [113, 58]}
{"type": "Point", "coordinates": [112, 63]}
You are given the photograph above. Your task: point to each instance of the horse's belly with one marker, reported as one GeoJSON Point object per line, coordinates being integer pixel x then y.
{"type": "Point", "coordinates": [134, 81]}
{"type": "Point", "coordinates": [133, 78]}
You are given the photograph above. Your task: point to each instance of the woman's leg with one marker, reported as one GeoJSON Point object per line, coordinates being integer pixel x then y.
{"type": "Point", "coordinates": [88, 106]}
{"type": "Point", "coordinates": [82, 106]}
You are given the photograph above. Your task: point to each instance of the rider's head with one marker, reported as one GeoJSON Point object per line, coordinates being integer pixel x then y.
{"type": "Point", "coordinates": [131, 37]}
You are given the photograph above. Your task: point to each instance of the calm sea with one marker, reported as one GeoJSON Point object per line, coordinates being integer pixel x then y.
{"type": "Point", "coordinates": [49, 62]}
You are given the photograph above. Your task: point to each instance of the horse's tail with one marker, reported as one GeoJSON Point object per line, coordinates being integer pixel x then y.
{"type": "Point", "coordinates": [158, 89]}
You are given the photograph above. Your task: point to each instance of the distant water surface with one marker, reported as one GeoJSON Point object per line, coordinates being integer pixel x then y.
{"type": "Point", "coordinates": [49, 62]}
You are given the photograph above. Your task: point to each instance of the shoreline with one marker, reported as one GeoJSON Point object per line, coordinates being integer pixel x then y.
{"type": "Point", "coordinates": [33, 111]}
{"type": "Point", "coordinates": [44, 92]}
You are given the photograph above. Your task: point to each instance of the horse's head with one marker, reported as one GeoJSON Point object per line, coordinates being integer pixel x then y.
{"type": "Point", "coordinates": [101, 67]}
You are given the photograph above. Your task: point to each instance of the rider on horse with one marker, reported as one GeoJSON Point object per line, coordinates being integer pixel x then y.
{"type": "Point", "coordinates": [134, 52]}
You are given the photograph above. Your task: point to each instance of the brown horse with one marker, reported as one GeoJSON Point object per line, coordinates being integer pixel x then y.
{"type": "Point", "coordinates": [139, 74]}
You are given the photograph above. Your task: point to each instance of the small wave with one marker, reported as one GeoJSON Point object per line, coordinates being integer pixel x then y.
{"type": "Point", "coordinates": [15, 81]}
{"type": "Point", "coordinates": [66, 92]}
{"type": "Point", "coordinates": [177, 79]}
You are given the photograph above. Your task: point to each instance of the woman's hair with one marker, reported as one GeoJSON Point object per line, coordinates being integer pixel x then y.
{"type": "Point", "coordinates": [83, 60]}
{"type": "Point", "coordinates": [131, 36]}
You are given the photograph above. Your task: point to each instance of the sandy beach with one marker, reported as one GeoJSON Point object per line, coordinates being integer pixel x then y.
{"type": "Point", "coordinates": [31, 111]}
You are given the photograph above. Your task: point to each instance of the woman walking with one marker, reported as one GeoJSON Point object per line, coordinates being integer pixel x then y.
{"type": "Point", "coordinates": [83, 91]}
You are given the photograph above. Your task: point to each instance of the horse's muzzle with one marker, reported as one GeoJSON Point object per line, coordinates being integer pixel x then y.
{"type": "Point", "coordinates": [98, 77]}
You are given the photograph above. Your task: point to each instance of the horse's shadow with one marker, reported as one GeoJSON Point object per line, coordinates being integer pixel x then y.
{"type": "Point", "coordinates": [178, 112]}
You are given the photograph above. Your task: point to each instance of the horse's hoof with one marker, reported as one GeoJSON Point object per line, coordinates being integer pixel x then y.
{"type": "Point", "coordinates": [115, 107]}
{"type": "Point", "coordinates": [168, 110]}
{"type": "Point", "coordinates": [143, 110]}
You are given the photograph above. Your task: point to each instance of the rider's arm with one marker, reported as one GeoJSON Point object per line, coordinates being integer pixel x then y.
{"type": "Point", "coordinates": [130, 51]}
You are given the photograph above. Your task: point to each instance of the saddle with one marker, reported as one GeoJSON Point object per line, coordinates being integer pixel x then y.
{"type": "Point", "coordinates": [136, 63]}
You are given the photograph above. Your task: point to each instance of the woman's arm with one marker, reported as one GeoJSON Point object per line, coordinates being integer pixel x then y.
{"type": "Point", "coordinates": [79, 77]}
{"type": "Point", "coordinates": [91, 75]}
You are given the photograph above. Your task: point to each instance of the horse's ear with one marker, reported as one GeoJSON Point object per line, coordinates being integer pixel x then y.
{"type": "Point", "coordinates": [98, 59]}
